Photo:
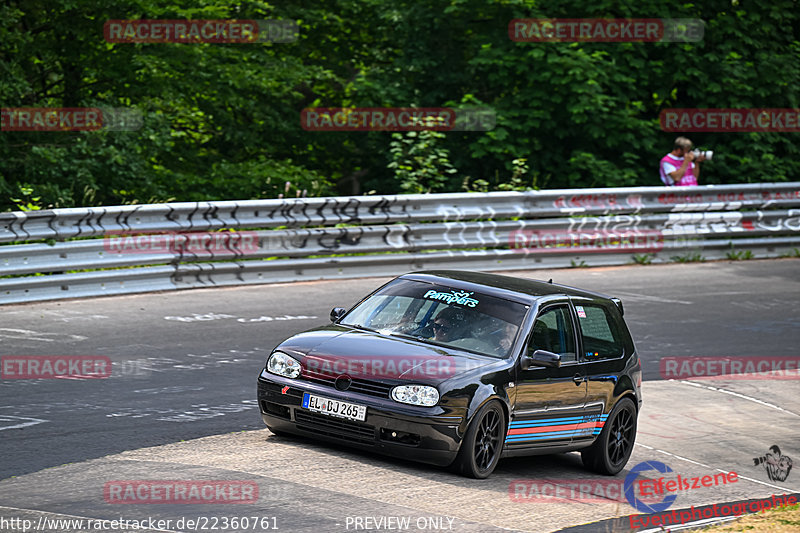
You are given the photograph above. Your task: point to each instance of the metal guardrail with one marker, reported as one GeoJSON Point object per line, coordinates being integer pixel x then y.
{"type": "Point", "coordinates": [130, 249]}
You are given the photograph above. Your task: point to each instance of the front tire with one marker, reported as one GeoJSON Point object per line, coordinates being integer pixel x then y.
{"type": "Point", "coordinates": [612, 449]}
{"type": "Point", "coordinates": [483, 443]}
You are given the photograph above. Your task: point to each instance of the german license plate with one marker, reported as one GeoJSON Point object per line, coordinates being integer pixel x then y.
{"type": "Point", "coordinates": [326, 406]}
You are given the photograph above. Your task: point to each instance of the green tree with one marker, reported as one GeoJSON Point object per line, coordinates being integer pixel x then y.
{"type": "Point", "coordinates": [419, 165]}
{"type": "Point", "coordinates": [221, 121]}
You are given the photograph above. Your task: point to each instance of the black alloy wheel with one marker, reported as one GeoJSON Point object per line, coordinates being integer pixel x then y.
{"type": "Point", "coordinates": [622, 435]}
{"type": "Point", "coordinates": [483, 443]}
{"type": "Point", "coordinates": [613, 447]}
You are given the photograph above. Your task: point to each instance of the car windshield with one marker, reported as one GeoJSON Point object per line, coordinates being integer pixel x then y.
{"type": "Point", "coordinates": [441, 315]}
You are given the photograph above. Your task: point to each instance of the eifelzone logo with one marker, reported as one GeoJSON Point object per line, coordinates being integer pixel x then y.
{"type": "Point", "coordinates": [638, 503]}
{"type": "Point", "coordinates": [651, 488]}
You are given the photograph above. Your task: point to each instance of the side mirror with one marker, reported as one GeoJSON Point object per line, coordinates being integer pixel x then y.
{"type": "Point", "coordinates": [337, 313]}
{"type": "Point", "coordinates": [541, 358]}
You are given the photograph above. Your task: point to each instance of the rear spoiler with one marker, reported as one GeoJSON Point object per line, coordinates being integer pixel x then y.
{"type": "Point", "coordinates": [618, 303]}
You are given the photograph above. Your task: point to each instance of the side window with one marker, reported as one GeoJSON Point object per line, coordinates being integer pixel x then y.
{"type": "Point", "coordinates": [553, 331]}
{"type": "Point", "coordinates": [601, 338]}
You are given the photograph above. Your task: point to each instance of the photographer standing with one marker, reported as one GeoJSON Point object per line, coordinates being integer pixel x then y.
{"type": "Point", "coordinates": [679, 168]}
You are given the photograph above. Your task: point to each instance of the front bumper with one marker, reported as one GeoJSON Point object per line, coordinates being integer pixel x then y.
{"type": "Point", "coordinates": [430, 435]}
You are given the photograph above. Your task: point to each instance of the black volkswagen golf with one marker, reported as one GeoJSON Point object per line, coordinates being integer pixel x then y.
{"type": "Point", "coordinates": [463, 368]}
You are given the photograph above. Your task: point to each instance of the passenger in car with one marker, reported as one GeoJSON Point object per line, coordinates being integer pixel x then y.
{"type": "Point", "coordinates": [506, 340]}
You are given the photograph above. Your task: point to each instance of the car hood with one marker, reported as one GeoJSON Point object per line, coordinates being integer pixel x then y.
{"type": "Point", "coordinates": [335, 350]}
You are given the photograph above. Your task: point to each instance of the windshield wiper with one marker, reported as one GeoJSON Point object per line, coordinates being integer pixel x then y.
{"type": "Point", "coordinates": [359, 326]}
{"type": "Point", "coordinates": [408, 336]}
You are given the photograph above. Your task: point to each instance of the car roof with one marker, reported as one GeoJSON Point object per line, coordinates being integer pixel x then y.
{"type": "Point", "coordinates": [508, 287]}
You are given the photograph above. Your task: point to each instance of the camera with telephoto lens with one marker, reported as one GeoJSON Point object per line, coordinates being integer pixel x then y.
{"type": "Point", "coordinates": [708, 154]}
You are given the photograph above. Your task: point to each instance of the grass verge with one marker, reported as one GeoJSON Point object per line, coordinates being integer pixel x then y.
{"type": "Point", "coordinates": [780, 520]}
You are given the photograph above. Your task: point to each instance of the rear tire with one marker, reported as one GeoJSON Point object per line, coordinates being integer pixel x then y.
{"type": "Point", "coordinates": [613, 447]}
{"type": "Point", "coordinates": [483, 443]}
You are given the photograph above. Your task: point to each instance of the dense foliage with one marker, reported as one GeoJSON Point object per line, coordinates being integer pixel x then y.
{"type": "Point", "coordinates": [221, 121]}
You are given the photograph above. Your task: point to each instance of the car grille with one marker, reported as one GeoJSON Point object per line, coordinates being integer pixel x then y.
{"type": "Point", "coordinates": [364, 386]}
{"type": "Point", "coordinates": [335, 427]}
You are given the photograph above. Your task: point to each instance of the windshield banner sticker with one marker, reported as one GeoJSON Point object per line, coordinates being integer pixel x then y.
{"type": "Point", "coordinates": [453, 297]}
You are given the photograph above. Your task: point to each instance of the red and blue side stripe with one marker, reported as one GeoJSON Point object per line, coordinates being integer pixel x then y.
{"type": "Point", "coordinates": [555, 428]}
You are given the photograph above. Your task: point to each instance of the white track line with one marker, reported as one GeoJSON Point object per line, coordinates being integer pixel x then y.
{"type": "Point", "coordinates": [783, 489]}
{"type": "Point", "coordinates": [738, 395]}
{"type": "Point", "coordinates": [744, 397]}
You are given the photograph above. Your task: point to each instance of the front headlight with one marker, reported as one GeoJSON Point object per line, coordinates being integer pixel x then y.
{"type": "Point", "coordinates": [283, 365]}
{"type": "Point", "coordinates": [416, 395]}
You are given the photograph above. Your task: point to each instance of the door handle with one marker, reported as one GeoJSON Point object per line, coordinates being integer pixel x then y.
{"type": "Point", "coordinates": [578, 379]}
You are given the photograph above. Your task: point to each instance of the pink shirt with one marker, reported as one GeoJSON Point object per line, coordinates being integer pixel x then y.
{"type": "Point", "coordinates": [670, 163]}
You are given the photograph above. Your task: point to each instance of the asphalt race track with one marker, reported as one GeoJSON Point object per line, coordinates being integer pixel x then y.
{"type": "Point", "coordinates": [179, 404]}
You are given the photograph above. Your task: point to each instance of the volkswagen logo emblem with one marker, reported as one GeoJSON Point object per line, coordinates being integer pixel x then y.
{"type": "Point", "coordinates": [343, 382]}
